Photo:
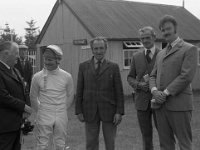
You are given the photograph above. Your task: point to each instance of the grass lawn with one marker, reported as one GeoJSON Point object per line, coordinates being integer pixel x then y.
{"type": "Point", "coordinates": [128, 135]}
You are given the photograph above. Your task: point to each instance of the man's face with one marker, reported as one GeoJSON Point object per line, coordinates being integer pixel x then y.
{"type": "Point", "coordinates": [50, 60]}
{"type": "Point", "coordinates": [99, 49]}
{"type": "Point", "coordinates": [13, 55]}
{"type": "Point", "coordinates": [169, 32]}
{"type": "Point", "coordinates": [22, 53]}
{"type": "Point", "coordinates": [147, 39]}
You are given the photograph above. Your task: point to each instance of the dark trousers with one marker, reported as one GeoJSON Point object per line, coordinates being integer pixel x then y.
{"type": "Point", "coordinates": [92, 134]}
{"type": "Point", "coordinates": [145, 124]}
{"type": "Point", "coordinates": [176, 123]}
{"type": "Point", "coordinates": [10, 141]}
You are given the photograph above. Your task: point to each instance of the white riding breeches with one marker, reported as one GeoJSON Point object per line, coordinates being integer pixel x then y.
{"type": "Point", "coordinates": [51, 121]}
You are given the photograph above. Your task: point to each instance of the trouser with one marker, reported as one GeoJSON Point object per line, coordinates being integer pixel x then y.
{"type": "Point", "coordinates": [51, 121]}
{"type": "Point", "coordinates": [10, 141]}
{"type": "Point", "coordinates": [145, 124]}
{"type": "Point", "coordinates": [92, 134]}
{"type": "Point", "coordinates": [172, 123]}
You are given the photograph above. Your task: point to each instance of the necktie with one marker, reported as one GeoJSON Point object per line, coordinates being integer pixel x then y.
{"type": "Point", "coordinates": [148, 55]}
{"type": "Point", "coordinates": [98, 67]}
{"type": "Point", "coordinates": [169, 47]}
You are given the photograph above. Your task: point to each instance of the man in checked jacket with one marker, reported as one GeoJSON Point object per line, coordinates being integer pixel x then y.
{"type": "Point", "coordinates": [99, 96]}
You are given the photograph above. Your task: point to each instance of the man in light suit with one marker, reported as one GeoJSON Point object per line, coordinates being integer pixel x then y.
{"type": "Point", "coordinates": [13, 101]}
{"type": "Point", "coordinates": [138, 77]}
{"type": "Point", "coordinates": [170, 84]}
{"type": "Point", "coordinates": [99, 96]}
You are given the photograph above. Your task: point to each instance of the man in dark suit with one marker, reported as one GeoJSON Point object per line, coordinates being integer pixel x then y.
{"type": "Point", "coordinates": [12, 98]}
{"type": "Point", "coordinates": [24, 66]}
{"type": "Point", "coordinates": [99, 96]}
{"type": "Point", "coordinates": [170, 83]}
{"type": "Point", "coordinates": [138, 77]}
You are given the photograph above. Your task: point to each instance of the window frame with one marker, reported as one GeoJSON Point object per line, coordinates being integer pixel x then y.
{"type": "Point", "coordinates": [133, 46]}
{"type": "Point", "coordinates": [135, 51]}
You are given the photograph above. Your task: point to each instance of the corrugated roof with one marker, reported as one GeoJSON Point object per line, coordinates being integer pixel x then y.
{"type": "Point", "coordinates": [122, 19]}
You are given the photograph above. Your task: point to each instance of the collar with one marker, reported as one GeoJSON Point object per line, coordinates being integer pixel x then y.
{"type": "Point", "coordinates": [175, 42]}
{"type": "Point", "coordinates": [5, 64]}
{"type": "Point", "coordinates": [153, 49]}
{"type": "Point", "coordinates": [53, 72]}
{"type": "Point", "coordinates": [95, 60]}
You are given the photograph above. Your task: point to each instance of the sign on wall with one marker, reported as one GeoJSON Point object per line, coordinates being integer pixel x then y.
{"type": "Point", "coordinates": [80, 42]}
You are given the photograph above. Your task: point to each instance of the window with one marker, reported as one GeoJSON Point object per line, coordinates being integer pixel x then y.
{"type": "Point", "coordinates": [128, 54]}
{"type": "Point", "coordinates": [129, 48]}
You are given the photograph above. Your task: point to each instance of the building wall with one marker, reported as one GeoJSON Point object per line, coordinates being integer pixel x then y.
{"type": "Point", "coordinates": [64, 28]}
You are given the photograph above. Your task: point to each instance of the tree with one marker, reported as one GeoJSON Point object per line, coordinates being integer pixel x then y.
{"type": "Point", "coordinates": [10, 35]}
{"type": "Point", "coordinates": [32, 33]}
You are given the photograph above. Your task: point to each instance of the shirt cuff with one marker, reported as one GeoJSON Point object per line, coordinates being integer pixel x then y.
{"type": "Point", "coordinates": [153, 89]}
{"type": "Point", "coordinates": [166, 92]}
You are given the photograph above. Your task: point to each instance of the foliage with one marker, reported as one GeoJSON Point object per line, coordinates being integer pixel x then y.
{"type": "Point", "coordinates": [10, 35]}
{"type": "Point", "coordinates": [31, 35]}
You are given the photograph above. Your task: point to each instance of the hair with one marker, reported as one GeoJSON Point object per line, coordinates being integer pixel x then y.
{"type": "Point", "coordinates": [167, 18]}
{"type": "Point", "coordinates": [99, 38]}
{"type": "Point", "coordinates": [5, 45]}
{"type": "Point", "coordinates": [58, 57]}
{"type": "Point", "coordinates": [147, 28]}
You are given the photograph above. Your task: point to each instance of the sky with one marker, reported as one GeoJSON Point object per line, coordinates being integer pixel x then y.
{"type": "Point", "coordinates": [17, 12]}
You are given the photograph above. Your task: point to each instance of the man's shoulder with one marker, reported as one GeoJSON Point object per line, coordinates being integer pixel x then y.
{"type": "Point", "coordinates": [86, 62]}
{"type": "Point", "coordinates": [138, 53]}
{"type": "Point", "coordinates": [67, 74]}
{"type": "Point", "coordinates": [110, 62]}
{"type": "Point", "coordinates": [188, 45]}
{"type": "Point", "coordinates": [38, 74]}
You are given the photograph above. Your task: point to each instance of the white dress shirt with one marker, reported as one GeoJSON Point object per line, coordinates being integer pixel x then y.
{"type": "Point", "coordinates": [151, 54]}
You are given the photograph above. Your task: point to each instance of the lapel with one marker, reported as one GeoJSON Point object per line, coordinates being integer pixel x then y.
{"type": "Point", "coordinates": [104, 67]}
{"type": "Point", "coordinates": [176, 48]}
{"type": "Point", "coordinates": [146, 62]}
{"type": "Point", "coordinates": [19, 77]}
{"type": "Point", "coordinates": [91, 64]}
{"type": "Point", "coordinates": [9, 73]}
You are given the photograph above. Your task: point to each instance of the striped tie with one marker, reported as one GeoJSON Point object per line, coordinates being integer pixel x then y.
{"type": "Point", "coordinates": [98, 67]}
{"type": "Point", "coordinates": [148, 55]}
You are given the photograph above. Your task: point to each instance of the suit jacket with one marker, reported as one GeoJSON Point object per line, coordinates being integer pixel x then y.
{"type": "Point", "coordinates": [101, 92]}
{"type": "Point", "coordinates": [174, 71]}
{"type": "Point", "coordinates": [12, 100]}
{"type": "Point", "coordinates": [139, 68]}
{"type": "Point", "coordinates": [26, 71]}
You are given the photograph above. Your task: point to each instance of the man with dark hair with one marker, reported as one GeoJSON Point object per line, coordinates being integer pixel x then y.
{"type": "Point", "coordinates": [166, 19]}
{"type": "Point", "coordinates": [99, 96]}
{"type": "Point", "coordinates": [13, 102]}
{"type": "Point", "coordinates": [138, 77]}
{"type": "Point", "coordinates": [24, 66]}
{"type": "Point", "coordinates": [170, 84]}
